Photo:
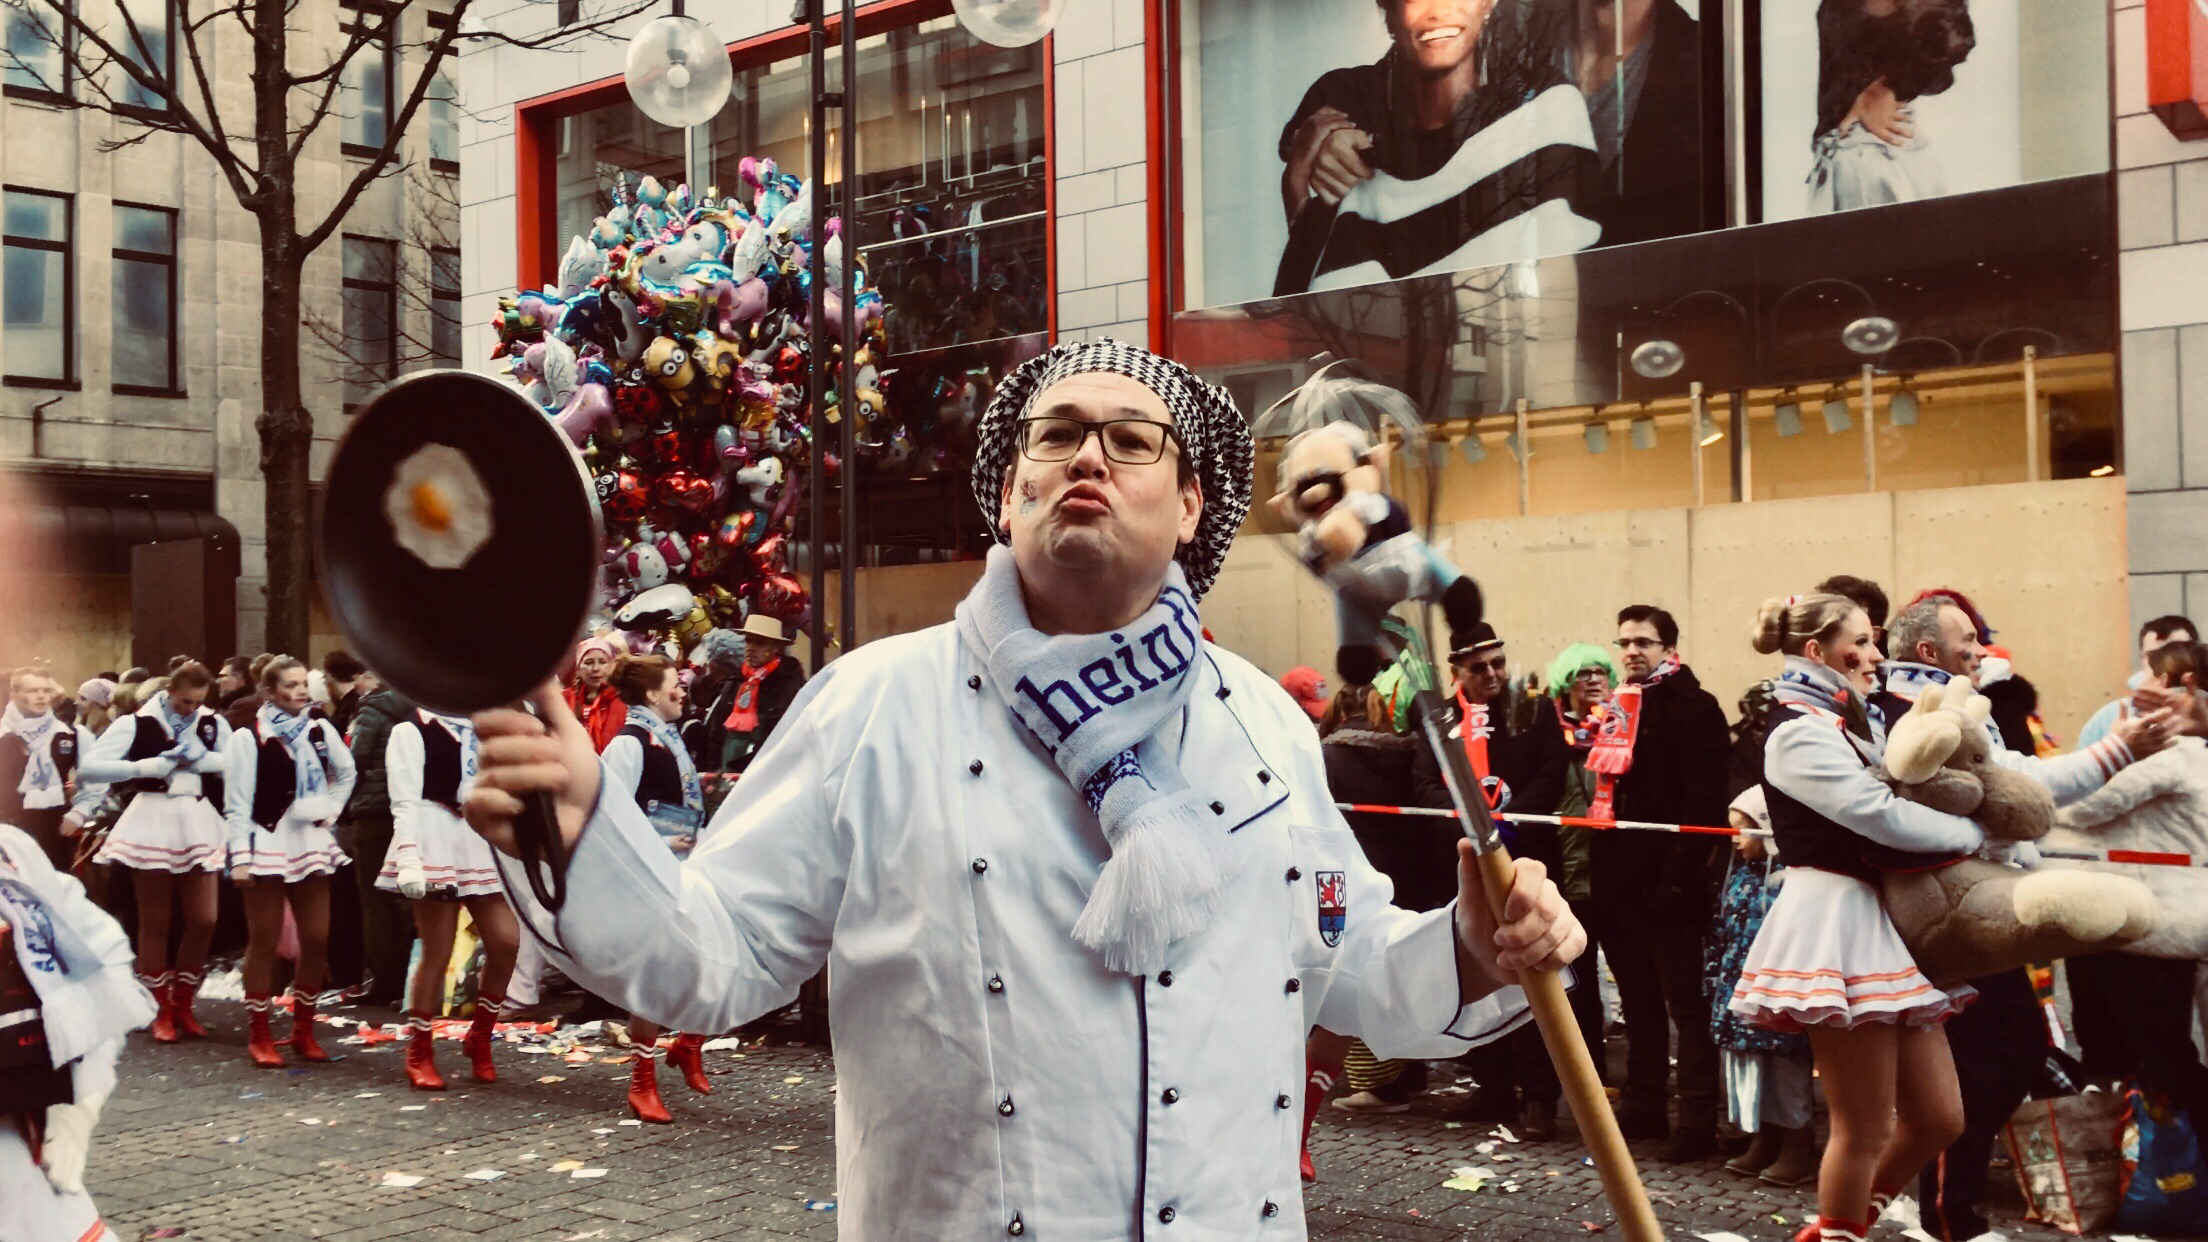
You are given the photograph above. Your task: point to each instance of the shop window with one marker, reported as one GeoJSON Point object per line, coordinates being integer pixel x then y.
{"type": "Point", "coordinates": [143, 32]}
{"type": "Point", "coordinates": [444, 306]}
{"type": "Point", "coordinates": [443, 105]}
{"type": "Point", "coordinates": [144, 262]}
{"type": "Point", "coordinates": [364, 99]}
{"type": "Point", "coordinates": [371, 315]}
{"type": "Point", "coordinates": [605, 146]}
{"type": "Point", "coordinates": [37, 282]}
{"type": "Point", "coordinates": [31, 61]}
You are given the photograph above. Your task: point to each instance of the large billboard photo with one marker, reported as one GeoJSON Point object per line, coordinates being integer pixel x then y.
{"type": "Point", "coordinates": [1870, 102]}
{"type": "Point", "coordinates": [1334, 143]}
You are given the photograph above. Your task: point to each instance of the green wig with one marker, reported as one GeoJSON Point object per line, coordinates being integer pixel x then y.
{"type": "Point", "coordinates": [1576, 658]}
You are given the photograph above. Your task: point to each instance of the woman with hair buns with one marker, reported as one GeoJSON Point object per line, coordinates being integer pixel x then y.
{"type": "Point", "coordinates": [289, 777]}
{"type": "Point", "coordinates": [648, 759]}
{"type": "Point", "coordinates": [1827, 961]}
{"type": "Point", "coordinates": [166, 760]}
{"type": "Point", "coordinates": [437, 862]}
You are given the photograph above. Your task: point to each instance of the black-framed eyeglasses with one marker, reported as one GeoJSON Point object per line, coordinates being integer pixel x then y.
{"type": "Point", "coordinates": [1128, 441]}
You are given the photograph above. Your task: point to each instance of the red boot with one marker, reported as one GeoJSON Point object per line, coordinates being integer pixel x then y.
{"type": "Point", "coordinates": [182, 992]}
{"type": "Point", "coordinates": [688, 1055]}
{"type": "Point", "coordinates": [302, 1029]}
{"type": "Point", "coordinates": [421, 1054]}
{"type": "Point", "coordinates": [1318, 1080]}
{"type": "Point", "coordinates": [478, 1042]}
{"type": "Point", "coordinates": [644, 1101]}
{"type": "Point", "coordinates": [259, 1044]}
{"type": "Point", "coordinates": [164, 1018]}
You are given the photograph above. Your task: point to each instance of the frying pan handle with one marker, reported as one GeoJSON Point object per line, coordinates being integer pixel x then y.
{"type": "Point", "coordinates": [538, 841]}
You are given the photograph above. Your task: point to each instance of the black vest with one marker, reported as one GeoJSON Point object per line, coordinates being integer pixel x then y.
{"type": "Point", "coordinates": [1804, 837]}
{"type": "Point", "coordinates": [440, 765]}
{"type": "Point", "coordinates": [661, 780]}
{"type": "Point", "coordinates": [151, 740]}
{"type": "Point", "coordinates": [276, 778]}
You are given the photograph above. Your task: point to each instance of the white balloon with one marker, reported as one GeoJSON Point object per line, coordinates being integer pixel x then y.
{"type": "Point", "coordinates": [1009, 23]}
{"type": "Point", "coordinates": [678, 72]}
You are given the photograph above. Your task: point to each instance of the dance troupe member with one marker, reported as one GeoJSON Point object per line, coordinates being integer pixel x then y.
{"type": "Point", "coordinates": [1075, 873]}
{"type": "Point", "coordinates": [1827, 960]}
{"type": "Point", "coordinates": [67, 999]}
{"type": "Point", "coordinates": [649, 761]}
{"type": "Point", "coordinates": [439, 865]}
{"type": "Point", "coordinates": [289, 777]}
{"type": "Point", "coordinates": [167, 759]}
{"type": "Point", "coordinates": [39, 756]}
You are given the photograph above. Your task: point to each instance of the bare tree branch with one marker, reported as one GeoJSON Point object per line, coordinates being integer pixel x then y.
{"type": "Point", "coordinates": [394, 132]}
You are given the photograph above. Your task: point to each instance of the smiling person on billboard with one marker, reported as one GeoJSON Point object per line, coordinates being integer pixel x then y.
{"type": "Point", "coordinates": [1462, 146]}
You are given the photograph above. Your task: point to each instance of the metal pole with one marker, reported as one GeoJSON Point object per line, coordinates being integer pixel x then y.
{"type": "Point", "coordinates": [847, 628]}
{"type": "Point", "coordinates": [817, 337]}
{"type": "Point", "coordinates": [2031, 413]}
{"type": "Point", "coordinates": [1870, 428]}
{"type": "Point", "coordinates": [1525, 460]}
{"type": "Point", "coordinates": [1694, 438]}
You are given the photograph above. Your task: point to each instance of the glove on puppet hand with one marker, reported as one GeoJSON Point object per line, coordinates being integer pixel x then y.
{"type": "Point", "coordinates": [1971, 917]}
{"type": "Point", "coordinates": [1359, 539]}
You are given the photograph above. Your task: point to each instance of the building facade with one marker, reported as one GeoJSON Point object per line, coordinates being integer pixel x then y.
{"type": "Point", "coordinates": [1704, 299]}
{"type": "Point", "coordinates": [132, 286]}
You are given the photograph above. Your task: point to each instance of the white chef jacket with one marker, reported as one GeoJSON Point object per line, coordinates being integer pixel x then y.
{"type": "Point", "coordinates": [995, 1079]}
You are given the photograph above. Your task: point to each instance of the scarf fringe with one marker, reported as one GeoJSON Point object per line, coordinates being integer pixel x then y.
{"type": "Point", "coordinates": [1168, 870]}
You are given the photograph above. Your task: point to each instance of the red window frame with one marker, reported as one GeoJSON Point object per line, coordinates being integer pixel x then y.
{"type": "Point", "coordinates": [535, 230]}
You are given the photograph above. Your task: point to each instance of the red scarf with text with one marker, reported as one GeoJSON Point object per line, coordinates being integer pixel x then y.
{"type": "Point", "coordinates": [744, 716]}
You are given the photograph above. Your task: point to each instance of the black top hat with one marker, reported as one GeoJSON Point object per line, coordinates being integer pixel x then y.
{"type": "Point", "coordinates": [1465, 642]}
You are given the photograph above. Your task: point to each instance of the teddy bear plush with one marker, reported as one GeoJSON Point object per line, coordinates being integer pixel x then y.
{"type": "Point", "coordinates": [1964, 918]}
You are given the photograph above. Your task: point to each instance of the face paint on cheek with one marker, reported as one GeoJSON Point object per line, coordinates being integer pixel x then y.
{"type": "Point", "coordinates": [1029, 497]}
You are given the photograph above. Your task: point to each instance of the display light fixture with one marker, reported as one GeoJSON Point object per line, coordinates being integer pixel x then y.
{"type": "Point", "coordinates": [1872, 334]}
{"type": "Point", "coordinates": [1658, 359]}
{"type": "Point", "coordinates": [1474, 451]}
{"type": "Point", "coordinates": [1644, 433]}
{"type": "Point", "coordinates": [1708, 433]}
{"type": "Point", "coordinates": [1009, 23]}
{"type": "Point", "coordinates": [677, 70]}
{"type": "Point", "coordinates": [1788, 417]}
{"type": "Point", "coordinates": [1903, 408]}
{"type": "Point", "coordinates": [1837, 418]}
{"type": "Point", "coordinates": [1598, 437]}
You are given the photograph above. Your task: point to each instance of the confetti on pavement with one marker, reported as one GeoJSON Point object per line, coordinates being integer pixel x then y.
{"type": "Point", "coordinates": [485, 1175]}
{"type": "Point", "coordinates": [401, 1180]}
{"type": "Point", "coordinates": [588, 1173]}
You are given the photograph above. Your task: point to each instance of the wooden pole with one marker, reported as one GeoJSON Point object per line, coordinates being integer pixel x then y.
{"type": "Point", "coordinates": [1870, 429]}
{"type": "Point", "coordinates": [2031, 413]}
{"type": "Point", "coordinates": [1694, 438]}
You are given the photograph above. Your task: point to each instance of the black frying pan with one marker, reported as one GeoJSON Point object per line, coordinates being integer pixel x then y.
{"type": "Point", "coordinates": [483, 635]}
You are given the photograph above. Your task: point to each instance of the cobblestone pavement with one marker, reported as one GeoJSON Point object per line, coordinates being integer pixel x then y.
{"type": "Point", "coordinates": [198, 1142]}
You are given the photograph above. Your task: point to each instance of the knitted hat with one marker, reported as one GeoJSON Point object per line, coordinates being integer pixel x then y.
{"type": "Point", "coordinates": [1215, 440]}
{"type": "Point", "coordinates": [99, 692]}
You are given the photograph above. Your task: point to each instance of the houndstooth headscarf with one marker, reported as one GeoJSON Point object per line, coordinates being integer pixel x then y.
{"type": "Point", "coordinates": [1214, 437]}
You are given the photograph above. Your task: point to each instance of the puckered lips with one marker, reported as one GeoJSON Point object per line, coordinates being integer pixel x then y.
{"type": "Point", "coordinates": [1085, 500]}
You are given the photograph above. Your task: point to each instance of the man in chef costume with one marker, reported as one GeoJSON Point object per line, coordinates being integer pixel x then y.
{"type": "Point", "coordinates": [1074, 873]}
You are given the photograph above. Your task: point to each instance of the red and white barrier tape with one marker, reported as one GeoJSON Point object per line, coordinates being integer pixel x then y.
{"type": "Point", "coordinates": [2143, 857]}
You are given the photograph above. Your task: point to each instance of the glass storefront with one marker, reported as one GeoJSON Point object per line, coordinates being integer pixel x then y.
{"type": "Point", "coordinates": [952, 220]}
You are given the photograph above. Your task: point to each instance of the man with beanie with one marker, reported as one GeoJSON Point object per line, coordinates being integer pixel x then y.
{"type": "Point", "coordinates": [1518, 742]}
{"type": "Point", "coordinates": [1656, 892]}
{"type": "Point", "coordinates": [1076, 873]}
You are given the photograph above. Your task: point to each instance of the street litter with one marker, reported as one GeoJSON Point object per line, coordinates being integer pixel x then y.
{"type": "Point", "coordinates": [820, 1205]}
{"type": "Point", "coordinates": [250, 1095]}
{"type": "Point", "coordinates": [632, 1122]}
{"type": "Point", "coordinates": [1503, 1133]}
{"type": "Point", "coordinates": [166, 1231]}
{"type": "Point", "coordinates": [588, 1173]}
{"type": "Point", "coordinates": [786, 1147]}
{"type": "Point", "coordinates": [368, 1095]}
{"type": "Point", "coordinates": [549, 1079]}
{"type": "Point", "coordinates": [310, 1121]}
{"type": "Point", "coordinates": [1592, 1227]}
{"type": "Point", "coordinates": [486, 1175]}
{"type": "Point", "coordinates": [566, 1166]}
{"type": "Point", "coordinates": [1721, 1237]}
{"type": "Point", "coordinates": [603, 1130]}
{"type": "Point", "coordinates": [1487, 1148]}
{"type": "Point", "coordinates": [401, 1180]}
{"type": "Point", "coordinates": [1466, 1177]}
{"type": "Point", "coordinates": [1452, 1125]}
{"type": "Point", "coordinates": [793, 1080]}
{"type": "Point", "coordinates": [413, 1108]}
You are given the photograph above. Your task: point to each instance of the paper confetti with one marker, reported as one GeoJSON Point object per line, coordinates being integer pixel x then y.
{"type": "Point", "coordinates": [485, 1175]}
{"type": "Point", "coordinates": [1452, 1125]}
{"type": "Point", "coordinates": [820, 1205]}
{"type": "Point", "coordinates": [566, 1166]}
{"type": "Point", "coordinates": [413, 1108]}
{"type": "Point", "coordinates": [793, 1080]}
{"type": "Point", "coordinates": [1503, 1133]}
{"type": "Point", "coordinates": [368, 1095]}
{"type": "Point", "coordinates": [603, 1130]}
{"type": "Point", "coordinates": [588, 1173]}
{"type": "Point", "coordinates": [310, 1121]}
{"type": "Point", "coordinates": [1592, 1227]}
{"type": "Point", "coordinates": [401, 1180]}
{"type": "Point", "coordinates": [632, 1122]}
{"type": "Point", "coordinates": [1486, 1149]}
{"type": "Point", "coordinates": [250, 1095]}
{"type": "Point", "coordinates": [786, 1147]}
{"type": "Point", "coordinates": [1721, 1237]}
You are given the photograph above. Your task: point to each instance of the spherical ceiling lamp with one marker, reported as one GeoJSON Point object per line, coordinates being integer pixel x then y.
{"type": "Point", "coordinates": [1658, 359]}
{"type": "Point", "coordinates": [1872, 334]}
{"type": "Point", "coordinates": [678, 72]}
{"type": "Point", "coordinates": [1009, 23]}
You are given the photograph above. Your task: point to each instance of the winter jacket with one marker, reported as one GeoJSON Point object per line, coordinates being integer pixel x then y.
{"type": "Point", "coordinates": [1374, 768]}
{"type": "Point", "coordinates": [1681, 756]}
{"type": "Point", "coordinates": [604, 715]}
{"type": "Point", "coordinates": [712, 745]}
{"type": "Point", "coordinates": [371, 732]}
{"type": "Point", "coordinates": [1529, 755]}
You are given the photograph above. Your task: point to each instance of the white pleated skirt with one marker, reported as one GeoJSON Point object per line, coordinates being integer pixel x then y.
{"type": "Point", "coordinates": [455, 861]}
{"type": "Point", "coordinates": [292, 851]}
{"type": "Point", "coordinates": [1827, 955]}
{"type": "Point", "coordinates": [164, 832]}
